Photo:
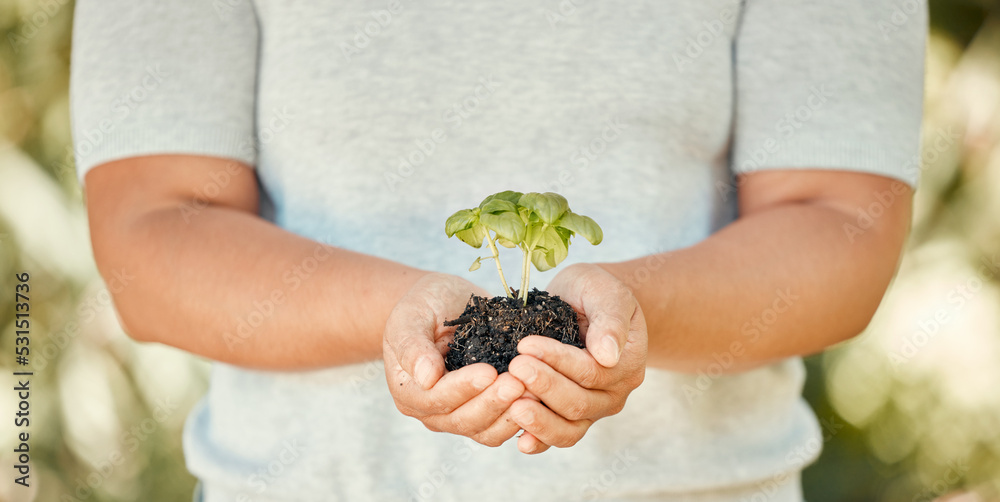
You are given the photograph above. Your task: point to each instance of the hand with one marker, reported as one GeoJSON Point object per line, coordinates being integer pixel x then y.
{"type": "Point", "coordinates": [580, 386]}
{"type": "Point", "coordinates": [471, 401]}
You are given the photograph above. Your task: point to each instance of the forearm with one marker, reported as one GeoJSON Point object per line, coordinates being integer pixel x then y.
{"type": "Point", "coordinates": [781, 282]}
{"type": "Point", "coordinates": [232, 287]}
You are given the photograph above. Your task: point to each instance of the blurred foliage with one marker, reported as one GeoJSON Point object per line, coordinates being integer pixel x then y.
{"type": "Point", "coordinates": [914, 401]}
{"type": "Point", "coordinates": [918, 394]}
{"type": "Point", "coordinates": [106, 413]}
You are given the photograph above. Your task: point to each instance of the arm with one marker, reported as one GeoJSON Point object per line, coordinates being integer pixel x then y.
{"type": "Point", "coordinates": [791, 276]}
{"type": "Point", "coordinates": [199, 269]}
{"type": "Point", "coordinates": [208, 276]}
{"type": "Point", "coordinates": [718, 302]}
{"type": "Point", "coordinates": [796, 273]}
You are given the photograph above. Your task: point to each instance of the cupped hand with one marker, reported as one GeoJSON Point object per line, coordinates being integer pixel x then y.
{"type": "Point", "coordinates": [580, 386]}
{"type": "Point", "coordinates": [472, 401]}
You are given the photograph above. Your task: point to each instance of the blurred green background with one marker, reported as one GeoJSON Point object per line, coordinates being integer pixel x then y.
{"type": "Point", "coordinates": [911, 408]}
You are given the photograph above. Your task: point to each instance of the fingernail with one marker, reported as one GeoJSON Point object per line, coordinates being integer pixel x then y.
{"type": "Point", "coordinates": [522, 416]}
{"type": "Point", "coordinates": [530, 349]}
{"type": "Point", "coordinates": [508, 392]}
{"type": "Point", "coordinates": [611, 347]}
{"type": "Point", "coordinates": [481, 382]}
{"type": "Point", "coordinates": [422, 372]}
{"type": "Point", "coordinates": [528, 373]}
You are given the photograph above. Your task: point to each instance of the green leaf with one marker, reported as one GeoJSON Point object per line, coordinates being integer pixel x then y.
{"type": "Point", "coordinates": [540, 259]}
{"type": "Point", "coordinates": [459, 221]}
{"type": "Point", "coordinates": [507, 195]}
{"type": "Point", "coordinates": [582, 225]}
{"type": "Point", "coordinates": [506, 243]}
{"type": "Point", "coordinates": [525, 214]}
{"type": "Point", "coordinates": [507, 225]}
{"type": "Point", "coordinates": [473, 236]}
{"type": "Point", "coordinates": [532, 233]}
{"type": "Point", "coordinates": [475, 265]}
{"type": "Point", "coordinates": [564, 234]}
{"type": "Point", "coordinates": [548, 206]}
{"type": "Point", "coordinates": [499, 206]}
{"type": "Point", "coordinates": [557, 249]}
{"type": "Point", "coordinates": [552, 260]}
{"type": "Point", "coordinates": [551, 241]}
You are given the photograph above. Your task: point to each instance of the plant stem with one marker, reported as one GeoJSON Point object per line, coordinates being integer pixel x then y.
{"type": "Point", "coordinates": [525, 271]}
{"type": "Point", "coordinates": [496, 258]}
{"type": "Point", "coordinates": [526, 267]}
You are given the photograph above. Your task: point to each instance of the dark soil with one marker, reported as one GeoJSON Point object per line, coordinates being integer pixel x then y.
{"type": "Point", "coordinates": [489, 329]}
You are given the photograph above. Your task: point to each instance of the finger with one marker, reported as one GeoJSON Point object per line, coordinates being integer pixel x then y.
{"type": "Point", "coordinates": [415, 351]}
{"type": "Point", "coordinates": [559, 393]}
{"type": "Point", "coordinates": [545, 425]}
{"type": "Point", "coordinates": [608, 313]}
{"type": "Point", "coordinates": [450, 392]}
{"type": "Point", "coordinates": [499, 432]}
{"type": "Point", "coordinates": [483, 410]}
{"type": "Point", "coordinates": [607, 306]}
{"type": "Point", "coordinates": [576, 364]}
{"type": "Point", "coordinates": [530, 445]}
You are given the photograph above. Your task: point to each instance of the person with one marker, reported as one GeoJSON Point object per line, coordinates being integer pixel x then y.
{"type": "Point", "coordinates": [276, 177]}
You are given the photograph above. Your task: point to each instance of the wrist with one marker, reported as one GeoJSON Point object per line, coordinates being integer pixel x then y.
{"type": "Point", "coordinates": [651, 283]}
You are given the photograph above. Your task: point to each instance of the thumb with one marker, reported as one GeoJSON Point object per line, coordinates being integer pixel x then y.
{"type": "Point", "coordinates": [608, 329]}
{"type": "Point", "coordinates": [411, 340]}
{"type": "Point", "coordinates": [607, 305]}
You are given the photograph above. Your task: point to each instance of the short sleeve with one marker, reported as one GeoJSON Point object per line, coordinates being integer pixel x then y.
{"type": "Point", "coordinates": [830, 85]}
{"type": "Point", "coordinates": [153, 77]}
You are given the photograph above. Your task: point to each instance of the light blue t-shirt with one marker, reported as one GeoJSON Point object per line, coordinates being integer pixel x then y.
{"type": "Point", "coordinates": [369, 122]}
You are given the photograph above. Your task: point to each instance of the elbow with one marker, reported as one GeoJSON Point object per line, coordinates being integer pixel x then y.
{"type": "Point", "coordinates": [866, 306]}
{"type": "Point", "coordinates": [860, 303]}
{"type": "Point", "coordinates": [123, 275]}
{"type": "Point", "coordinates": [129, 325]}
{"type": "Point", "coordinates": [123, 262]}
{"type": "Point", "coordinates": [121, 285]}
{"type": "Point", "coordinates": [871, 263]}
{"type": "Point", "coordinates": [859, 321]}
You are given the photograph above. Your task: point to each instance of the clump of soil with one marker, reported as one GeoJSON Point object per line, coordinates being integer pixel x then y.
{"type": "Point", "coordinates": [489, 329]}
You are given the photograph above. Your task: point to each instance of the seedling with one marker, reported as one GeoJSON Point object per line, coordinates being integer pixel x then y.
{"type": "Point", "coordinates": [539, 224]}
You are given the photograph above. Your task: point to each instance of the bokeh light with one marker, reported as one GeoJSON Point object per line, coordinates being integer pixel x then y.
{"type": "Point", "coordinates": [918, 392]}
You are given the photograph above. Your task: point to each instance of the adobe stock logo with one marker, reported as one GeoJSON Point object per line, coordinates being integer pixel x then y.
{"type": "Point", "coordinates": [588, 153]}
{"type": "Point", "coordinates": [364, 34]}
{"type": "Point", "coordinates": [90, 138]}
{"type": "Point", "coordinates": [711, 31]}
{"type": "Point", "coordinates": [599, 485]}
{"type": "Point", "coordinates": [30, 24]}
{"type": "Point", "coordinates": [457, 114]}
{"type": "Point", "coordinates": [770, 147]}
{"type": "Point", "coordinates": [901, 14]}
{"type": "Point", "coordinates": [752, 331]}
